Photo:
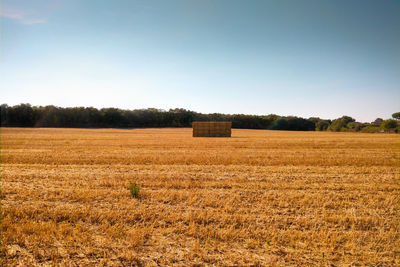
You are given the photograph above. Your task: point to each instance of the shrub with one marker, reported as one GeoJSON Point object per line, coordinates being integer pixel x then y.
{"type": "Point", "coordinates": [134, 188]}
{"type": "Point", "coordinates": [371, 129]}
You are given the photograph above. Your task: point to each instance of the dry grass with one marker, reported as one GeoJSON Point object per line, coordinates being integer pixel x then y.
{"type": "Point", "coordinates": [258, 198]}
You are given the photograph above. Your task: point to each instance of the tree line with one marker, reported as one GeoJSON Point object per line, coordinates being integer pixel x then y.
{"type": "Point", "coordinates": [25, 115]}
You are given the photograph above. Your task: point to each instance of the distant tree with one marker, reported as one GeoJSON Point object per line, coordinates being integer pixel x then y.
{"type": "Point", "coordinates": [377, 122]}
{"type": "Point", "coordinates": [3, 109]}
{"type": "Point", "coordinates": [371, 129]}
{"type": "Point", "coordinates": [322, 125]}
{"type": "Point", "coordinates": [292, 124]}
{"type": "Point", "coordinates": [182, 117]}
{"type": "Point", "coordinates": [340, 124]}
{"type": "Point", "coordinates": [315, 120]}
{"type": "Point", "coordinates": [389, 124]}
{"type": "Point", "coordinates": [396, 116]}
{"type": "Point", "coordinates": [112, 117]}
{"type": "Point", "coordinates": [25, 115]}
{"type": "Point", "coordinates": [279, 124]}
{"type": "Point", "coordinates": [21, 115]}
{"type": "Point", "coordinates": [51, 116]}
{"type": "Point", "coordinates": [355, 126]}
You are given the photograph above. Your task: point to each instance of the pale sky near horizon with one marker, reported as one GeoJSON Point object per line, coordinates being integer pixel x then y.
{"type": "Point", "coordinates": [305, 58]}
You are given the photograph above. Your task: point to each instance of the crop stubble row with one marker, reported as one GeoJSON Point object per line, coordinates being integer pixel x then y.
{"type": "Point", "coordinates": [267, 197]}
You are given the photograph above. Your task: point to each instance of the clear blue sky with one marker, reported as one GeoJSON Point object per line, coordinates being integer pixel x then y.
{"type": "Point", "coordinates": [305, 58]}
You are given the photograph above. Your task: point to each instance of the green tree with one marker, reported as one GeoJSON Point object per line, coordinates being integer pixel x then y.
{"type": "Point", "coordinates": [4, 108]}
{"type": "Point", "coordinates": [292, 123]}
{"type": "Point", "coordinates": [340, 124]}
{"type": "Point", "coordinates": [112, 117]}
{"type": "Point", "coordinates": [322, 125]}
{"type": "Point", "coordinates": [354, 126]}
{"type": "Point", "coordinates": [396, 116]}
{"type": "Point", "coordinates": [21, 115]}
{"type": "Point", "coordinates": [377, 121]}
{"type": "Point", "coordinates": [389, 124]}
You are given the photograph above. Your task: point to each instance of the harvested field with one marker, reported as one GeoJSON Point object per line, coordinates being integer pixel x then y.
{"type": "Point", "coordinates": [258, 198]}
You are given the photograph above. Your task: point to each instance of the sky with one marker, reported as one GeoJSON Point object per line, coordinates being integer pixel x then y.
{"type": "Point", "coordinates": [323, 58]}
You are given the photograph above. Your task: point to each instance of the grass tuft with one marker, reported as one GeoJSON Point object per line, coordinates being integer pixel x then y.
{"type": "Point", "coordinates": [134, 188]}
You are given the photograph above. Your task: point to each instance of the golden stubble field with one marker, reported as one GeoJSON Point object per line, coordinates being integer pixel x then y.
{"type": "Point", "coordinates": [266, 198]}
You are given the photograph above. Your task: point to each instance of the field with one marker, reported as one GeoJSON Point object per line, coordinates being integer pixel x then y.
{"type": "Point", "coordinates": [266, 198]}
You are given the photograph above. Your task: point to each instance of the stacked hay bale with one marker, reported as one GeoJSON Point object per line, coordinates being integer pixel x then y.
{"type": "Point", "coordinates": [212, 128]}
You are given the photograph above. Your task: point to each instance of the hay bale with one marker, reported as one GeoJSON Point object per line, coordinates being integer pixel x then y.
{"type": "Point", "coordinates": [212, 128]}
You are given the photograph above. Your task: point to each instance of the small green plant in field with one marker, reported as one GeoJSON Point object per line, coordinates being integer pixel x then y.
{"type": "Point", "coordinates": [134, 188]}
{"type": "Point", "coordinates": [323, 259]}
